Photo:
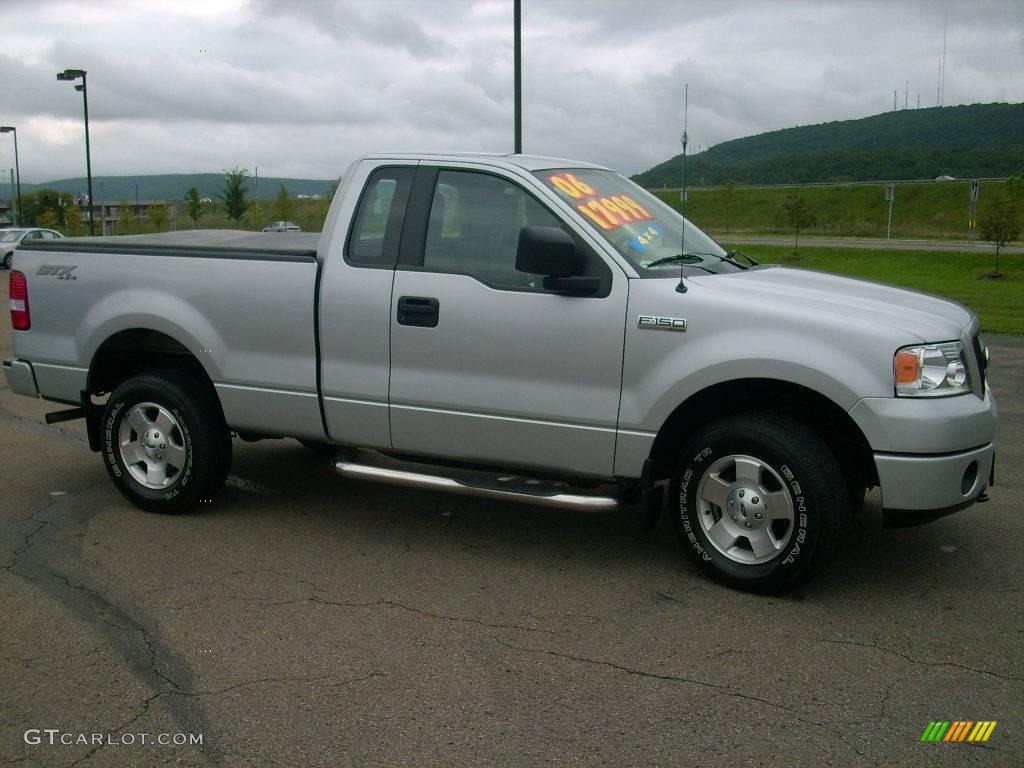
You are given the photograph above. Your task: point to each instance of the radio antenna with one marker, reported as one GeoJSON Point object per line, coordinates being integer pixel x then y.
{"type": "Point", "coordinates": [681, 288]}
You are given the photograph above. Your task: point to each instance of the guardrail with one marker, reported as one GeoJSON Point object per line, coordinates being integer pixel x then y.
{"type": "Point", "coordinates": [691, 187]}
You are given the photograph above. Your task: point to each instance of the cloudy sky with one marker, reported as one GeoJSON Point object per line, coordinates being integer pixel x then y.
{"type": "Point", "coordinates": [301, 87]}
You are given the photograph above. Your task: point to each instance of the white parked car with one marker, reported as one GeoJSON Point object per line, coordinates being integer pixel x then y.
{"type": "Point", "coordinates": [283, 226]}
{"type": "Point", "coordinates": [11, 238]}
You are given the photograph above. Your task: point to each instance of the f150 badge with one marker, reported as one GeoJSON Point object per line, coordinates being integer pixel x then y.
{"type": "Point", "coordinates": [59, 271]}
{"type": "Point", "coordinates": [653, 323]}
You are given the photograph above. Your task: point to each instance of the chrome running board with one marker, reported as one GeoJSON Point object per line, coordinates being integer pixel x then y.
{"type": "Point", "coordinates": [498, 487]}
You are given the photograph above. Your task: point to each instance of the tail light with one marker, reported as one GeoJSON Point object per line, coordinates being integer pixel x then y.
{"type": "Point", "coordinates": [18, 287]}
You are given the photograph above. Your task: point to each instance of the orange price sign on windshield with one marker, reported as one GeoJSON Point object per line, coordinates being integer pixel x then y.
{"type": "Point", "coordinates": [614, 211]}
{"type": "Point", "coordinates": [571, 185]}
{"type": "Point", "coordinates": [609, 211]}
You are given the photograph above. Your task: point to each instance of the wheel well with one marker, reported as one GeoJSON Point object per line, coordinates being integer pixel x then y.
{"type": "Point", "coordinates": [135, 351]}
{"type": "Point", "coordinates": [812, 408]}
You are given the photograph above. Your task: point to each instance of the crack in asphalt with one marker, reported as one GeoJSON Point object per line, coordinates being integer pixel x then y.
{"type": "Point", "coordinates": [151, 663]}
{"type": "Point", "coordinates": [144, 708]}
{"type": "Point", "coordinates": [346, 604]}
{"type": "Point", "coordinates": [912, 660]}
{"type": "Point", "coordinates": [104, 618]}
{"type": "Point", "coordinates": [285, 679]}
{"type": "Point", "coordinates": [13, 558]}
{"type": "Point", "coordinates": [465, 620]}
{"type": "Point", "coordinates": [6, 415]}
{"type": "Point", "coordinates": [384, 602]}
{"type": "Point", "coordinates": [721, 689]}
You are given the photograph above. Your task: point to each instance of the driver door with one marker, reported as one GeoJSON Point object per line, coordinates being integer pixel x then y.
{"type": "Point", "coordinates": [486, 365]}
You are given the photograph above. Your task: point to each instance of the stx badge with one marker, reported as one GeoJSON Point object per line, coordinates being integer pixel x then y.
{"type": "Point", "coordinates": [59, 271]}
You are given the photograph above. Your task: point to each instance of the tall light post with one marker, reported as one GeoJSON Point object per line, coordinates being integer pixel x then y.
{"type": "Point", "coordinates": [71, 75]}
{"type": "Point", "coordinates": [517, 34]}
{"type": "Point", "coordinates": [17, 167]}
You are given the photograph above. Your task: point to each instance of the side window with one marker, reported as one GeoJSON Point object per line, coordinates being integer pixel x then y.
{"type": "Point", "coordinates": [377, 225]}
{"type": "Point", "coordinates": [36, 235]}
{"type": "Point", "coordinates": [474, 226]}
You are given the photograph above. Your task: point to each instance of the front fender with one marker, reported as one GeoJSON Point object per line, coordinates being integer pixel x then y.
{"type": "Point", "coordinates": [664, 370]}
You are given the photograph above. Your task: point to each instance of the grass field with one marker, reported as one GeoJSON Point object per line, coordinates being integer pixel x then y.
{"type": "Point", "coordinates": [954, 275]}
{"type": "Point", "coordinates": [925, 210]}
{"type": "Point", "coordinates": [921, 211]}
{"type": "Point", "coordinates": [308, 214]}
{"type": "Point", "coordinates": [1000, 304]}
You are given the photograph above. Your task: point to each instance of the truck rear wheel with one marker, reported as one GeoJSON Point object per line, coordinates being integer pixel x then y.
{"type": "Point", "coordinates": [164, 441]}
{"type": "Point", "coordinates": [758, 501]}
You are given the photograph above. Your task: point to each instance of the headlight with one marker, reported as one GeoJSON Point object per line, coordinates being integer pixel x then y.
{"type": "Point", "coordinates": [931, 370]}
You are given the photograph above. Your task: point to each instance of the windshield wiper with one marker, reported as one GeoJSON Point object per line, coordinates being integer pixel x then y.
{"type": "Point", "coordinates": [679, 258]}
{"type": "Point", "coordinates": [736, 252]}
{"type": "Point", "coordinates": [694, 259]}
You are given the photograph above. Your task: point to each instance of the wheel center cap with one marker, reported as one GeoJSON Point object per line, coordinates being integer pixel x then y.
{"type": "Point", "coordinates": [746, 508]}
{"type": "Point", "coordinates": [153, 443]}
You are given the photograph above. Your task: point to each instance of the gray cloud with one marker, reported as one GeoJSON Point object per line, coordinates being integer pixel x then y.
{"type": "Point", "coordinates": [389, 25]}
{"type": "Point", "coordinates": [302, 88]}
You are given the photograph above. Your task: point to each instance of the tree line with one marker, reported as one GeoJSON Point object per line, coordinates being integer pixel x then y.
{"type": "Point", "coordinates": [1001, 220]}
{"type": "Point", "coordinates": [58, 210]}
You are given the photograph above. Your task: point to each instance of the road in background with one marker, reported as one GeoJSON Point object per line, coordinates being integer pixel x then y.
{"type": "Point", "coordinates": [303, 620]}
{"type": "Point", "coordinates": [874, 243]}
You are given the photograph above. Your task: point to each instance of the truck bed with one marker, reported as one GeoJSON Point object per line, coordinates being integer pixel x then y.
{"type": "Point", "coordinates": [242, 303]}
{"type": "Point", "coordinates": [201, 243]}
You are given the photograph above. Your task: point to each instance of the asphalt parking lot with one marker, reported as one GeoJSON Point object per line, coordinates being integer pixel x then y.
{"type": "Point", "coordinates": [302, 620]}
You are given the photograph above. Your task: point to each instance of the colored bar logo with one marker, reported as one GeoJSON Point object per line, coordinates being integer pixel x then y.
{"type": "Point", "coordinates": [958, 730]}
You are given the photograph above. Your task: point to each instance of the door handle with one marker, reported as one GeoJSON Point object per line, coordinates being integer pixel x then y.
{"type": "Point", "coordinates": [418, 311]}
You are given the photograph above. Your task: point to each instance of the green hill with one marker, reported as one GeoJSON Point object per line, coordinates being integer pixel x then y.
{"type": "Point", "coordinates": [978, 140]}
{"type": "Point", "coordinates": [172, 186]}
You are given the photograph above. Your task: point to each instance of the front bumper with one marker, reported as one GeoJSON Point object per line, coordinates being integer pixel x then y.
{"type": "Point", "coordinates": [931, 454]}
{"type": "Point", "coordinates": [21, 378]}
{"type": "Point", "coordinates": [922, 483]}
{"type": "Point", "coordinates": [927, 425]}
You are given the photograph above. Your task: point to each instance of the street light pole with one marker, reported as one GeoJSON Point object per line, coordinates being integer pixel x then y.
{"type": "Point", "coordinates": [517, 14]}
{"type": "Point", "coordinates": [74, 74]}
{"type": "Point", "coordinates": [17, 166]}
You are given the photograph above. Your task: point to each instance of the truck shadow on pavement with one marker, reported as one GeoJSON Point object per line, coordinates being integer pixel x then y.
{"type": "Point", "coordinates": [902, 561]}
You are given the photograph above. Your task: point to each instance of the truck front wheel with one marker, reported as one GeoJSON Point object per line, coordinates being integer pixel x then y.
{"type": "Point", "coordinates": [758, 501]}
{"type": "Point", "coordinates": [164, 441]}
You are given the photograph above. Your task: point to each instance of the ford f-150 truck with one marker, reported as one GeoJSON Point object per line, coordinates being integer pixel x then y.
{"type": "Point", "coordinates": [518, 328]}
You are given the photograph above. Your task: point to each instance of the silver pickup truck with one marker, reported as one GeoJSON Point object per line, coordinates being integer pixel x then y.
{"type": "Point", "coordinates": [518, 328]}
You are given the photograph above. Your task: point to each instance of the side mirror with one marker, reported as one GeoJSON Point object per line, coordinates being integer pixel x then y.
{"type": "Point", "coordinates": [551, 252]}
{"type": "Point", "coordinates": [546, 251]}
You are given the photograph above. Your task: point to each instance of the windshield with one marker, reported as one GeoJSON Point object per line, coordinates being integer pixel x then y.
{"type": "Point", "coordinates": [642, 228]}
{"type": "Point", "coordinates": [10, 235]}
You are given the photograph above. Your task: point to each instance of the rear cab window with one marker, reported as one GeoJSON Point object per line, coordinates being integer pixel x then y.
{"type": "Point", "coordinates": [377, 224]}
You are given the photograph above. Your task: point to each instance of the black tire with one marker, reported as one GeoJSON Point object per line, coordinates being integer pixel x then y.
{"type": "Point", "coordinates": [812, 480]}
{"type": "Point", "coordinates": [201, 430]}
{"type": "Point", "coordinates": [7, 260]}
{"type": "Point", "coordinates": [858, 493]}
